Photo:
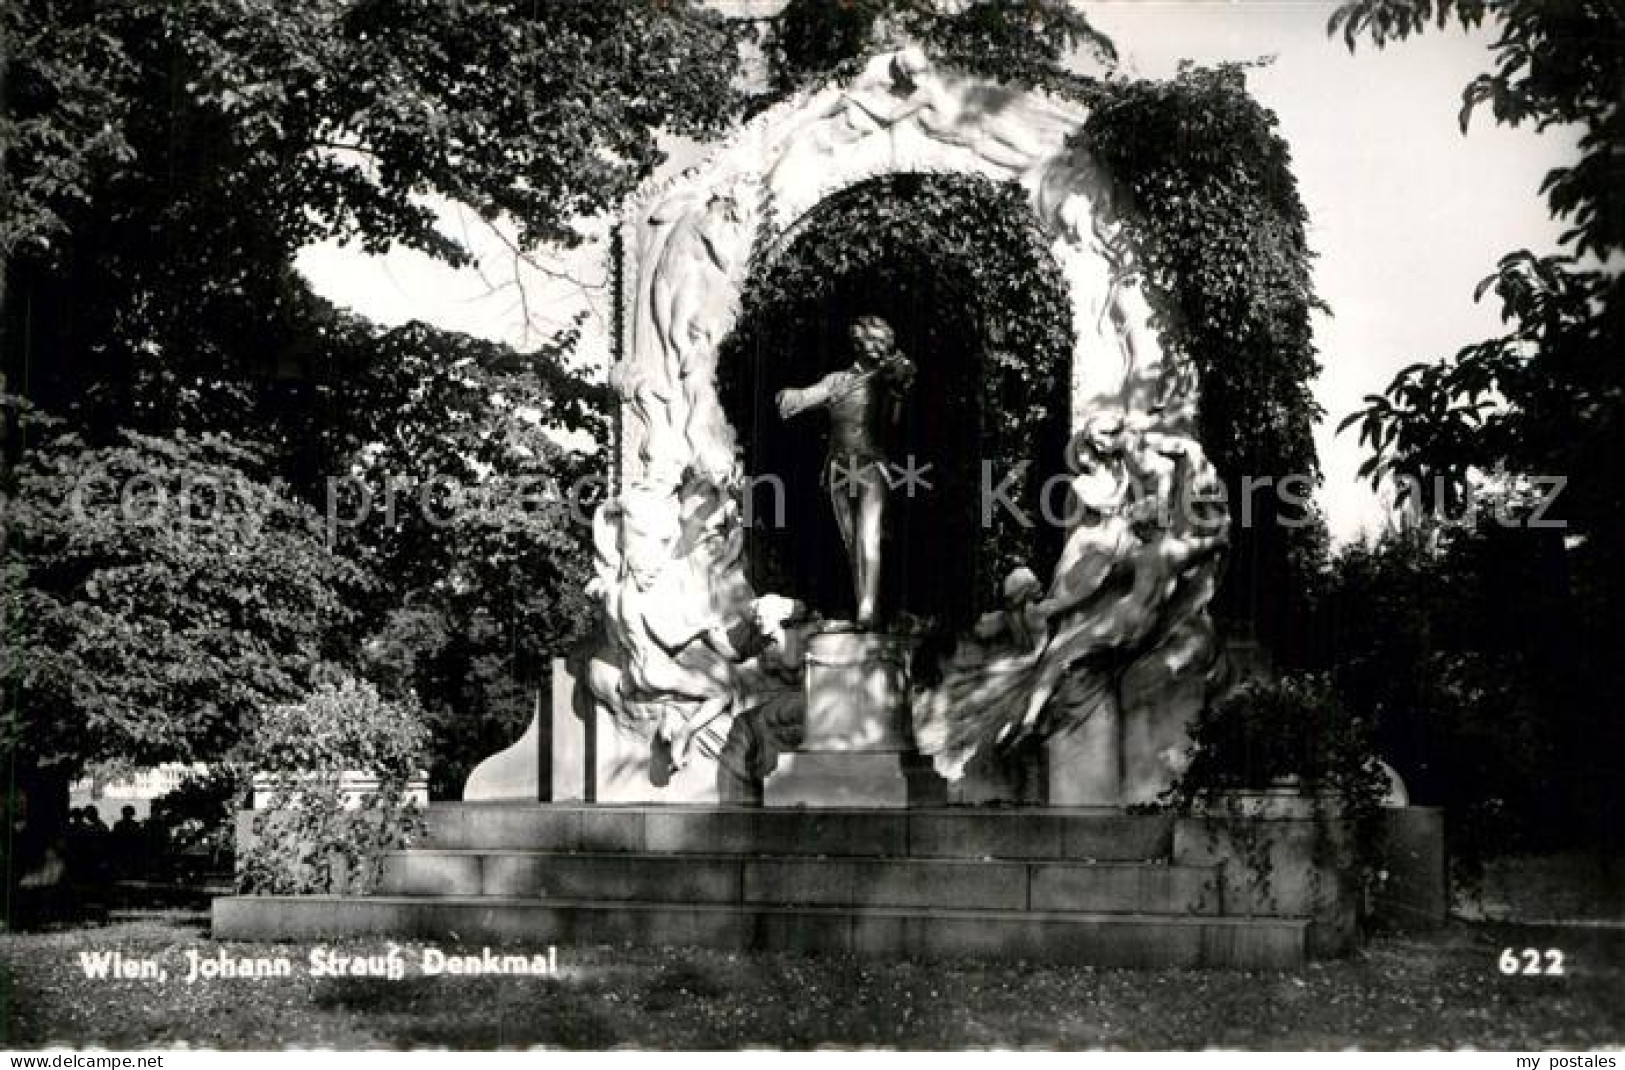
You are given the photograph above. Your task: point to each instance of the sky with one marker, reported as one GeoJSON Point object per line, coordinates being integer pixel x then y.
{"type": "Point", "coordinates": [1406, 214]}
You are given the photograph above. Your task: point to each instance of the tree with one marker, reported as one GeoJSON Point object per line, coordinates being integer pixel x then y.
{"type": "Point", "coordinates": [347, 110]}
{"type": "Point", "coordinates": [169, 160]}
{"type": "Point", "coordinates": [1556, 63]}
{"type": "Point", "coordinates": [460, 494]}
{"type": "Point", "coordinates": [162, 592]}
{"type": "Point", "coordinates": [1547, 398]}
{"type": "Point", "coordinates": [1548, 395]}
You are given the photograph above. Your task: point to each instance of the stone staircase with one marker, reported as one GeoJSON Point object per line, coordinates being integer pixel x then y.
{"type": "Point", "coordinates": [1079, 886]}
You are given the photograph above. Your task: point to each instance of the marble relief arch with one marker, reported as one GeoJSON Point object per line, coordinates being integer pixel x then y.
{"type": "Point", "coordinates": [688, 646]}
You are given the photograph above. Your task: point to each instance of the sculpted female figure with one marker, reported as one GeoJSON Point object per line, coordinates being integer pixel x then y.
{"type": "Point", "coordinates": [1116, 584]}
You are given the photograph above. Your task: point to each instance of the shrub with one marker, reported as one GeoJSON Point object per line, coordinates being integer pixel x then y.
{"type": "Point", "coordinates": [1292, 731]}
{"type": "Point", "coordinates": [1472, 650]}
{"type": "Point", "coordinates": [196, 817]}
{"type": "Point", "coordinates": [311, 836]}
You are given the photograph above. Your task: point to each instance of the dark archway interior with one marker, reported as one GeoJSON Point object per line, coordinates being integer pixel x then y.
{"type": "Point", "coordinates": [940, 561]}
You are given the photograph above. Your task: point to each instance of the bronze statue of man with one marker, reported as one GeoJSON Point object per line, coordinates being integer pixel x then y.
{"type": "Point", "coordinates": [862, 400]}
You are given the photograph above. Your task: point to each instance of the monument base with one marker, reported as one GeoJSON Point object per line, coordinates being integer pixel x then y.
{"type": "Point", "coordinates": [855, 780]}
{"type": "Point", "coordinates": [837, 780]}
{"type": "Point", "coordinates": [1258, 890]}
{"type": "Point", "coordinates": [1018, 779]}
{"type": "Point", "coordinates": [857, 692]}
{"type": "Point", "coordinates": [857, 748]}
{"type": "Point", "coordinates": [1083, 763]}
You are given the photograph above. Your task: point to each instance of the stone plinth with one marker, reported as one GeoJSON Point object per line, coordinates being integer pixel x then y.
{"type": "Point", "coordinates": [857, 693]}
{"type": "Point", "coordinates": [514, 774]}
{"type": "Point", "coordinates": [1084, 764]}
{"type": "Point", "coordinates": [846, 779]}
{"type": "Point", "coordinates": [857, 726]}
{"type": "Point", "coordinates": [548, 762]}
{"type": "Point", "coordinates": [995, 884]}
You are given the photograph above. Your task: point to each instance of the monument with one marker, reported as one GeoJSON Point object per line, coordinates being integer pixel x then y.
{"type": "Point", "coordinates": [859, 401]}
{"type": "Point", "coordinates": [1102, 670]}
{"type": "Point", "coordinates": [821, 758]}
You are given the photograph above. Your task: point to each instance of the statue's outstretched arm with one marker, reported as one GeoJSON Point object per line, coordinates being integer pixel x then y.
{"type": "Point", "coordinates": [796, 400]}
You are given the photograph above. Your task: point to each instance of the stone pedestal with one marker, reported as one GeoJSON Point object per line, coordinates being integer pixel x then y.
{"type": "Point", "coordinates": [1019, 778]}
{"type": "Point", "coordinates": [1084, 765]}
{"type": "Point", "coordinates": [622, 761]}
{"type": "Point", "coordinates": [837, 779]}
{"type": "Point", "coordinates": [858, 733]}
{"type": "Point", "coordinates": [857, 693]}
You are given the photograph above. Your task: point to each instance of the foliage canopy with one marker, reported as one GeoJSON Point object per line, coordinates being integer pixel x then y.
{"type": "Point", "coordinates": [162, 591]}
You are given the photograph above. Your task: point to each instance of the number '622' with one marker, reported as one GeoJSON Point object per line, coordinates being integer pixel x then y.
{"type": "Point", "coordinates": [1531, 962]}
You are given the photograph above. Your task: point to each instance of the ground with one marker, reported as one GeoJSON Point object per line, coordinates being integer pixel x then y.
{"type": "Point", "coordinates": [1440, 990]}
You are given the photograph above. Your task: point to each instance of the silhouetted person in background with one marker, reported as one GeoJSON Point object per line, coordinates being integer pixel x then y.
{"type": "Point", "coordinates": [32, 864]}
{"type": "Point", "coordinates": [126, 842]}
{"type": "Point", "coordinates": [88, 844]}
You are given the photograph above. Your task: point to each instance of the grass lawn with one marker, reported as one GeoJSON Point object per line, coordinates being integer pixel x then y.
{"type": "Point", "coordinates": [1440, 990]}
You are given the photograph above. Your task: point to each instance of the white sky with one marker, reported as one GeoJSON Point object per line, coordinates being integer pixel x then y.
{"type": "Point", "coordinates": [1405, 213]}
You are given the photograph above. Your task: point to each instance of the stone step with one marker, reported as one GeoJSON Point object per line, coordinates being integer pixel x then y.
{"type": "Point", "coordinates": [1108, 887]}
{"type": "Point", "coordinates": [1139, 940]}
{"type": "Point", "coordinates": [1103, 835]}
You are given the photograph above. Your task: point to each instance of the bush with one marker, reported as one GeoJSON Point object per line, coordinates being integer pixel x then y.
{"type": "Point", "coordinates": [1294, 731]}
{"type": "Point", "coordinates": [310, 838]}
{"type": "Point", "coordinates": [196, 817]}
{"type": "Point", "coordinates": [1477, 653]}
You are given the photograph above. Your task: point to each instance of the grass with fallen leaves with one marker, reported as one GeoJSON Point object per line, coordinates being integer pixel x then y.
{"type": "Point", "coordinates": [1442, 990]}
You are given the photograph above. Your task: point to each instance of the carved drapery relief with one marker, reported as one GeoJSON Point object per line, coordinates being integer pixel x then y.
{"type": "Point", "coordinates": [1122, 618]}
{"type": "Point", "coordinates": [681, 621]}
